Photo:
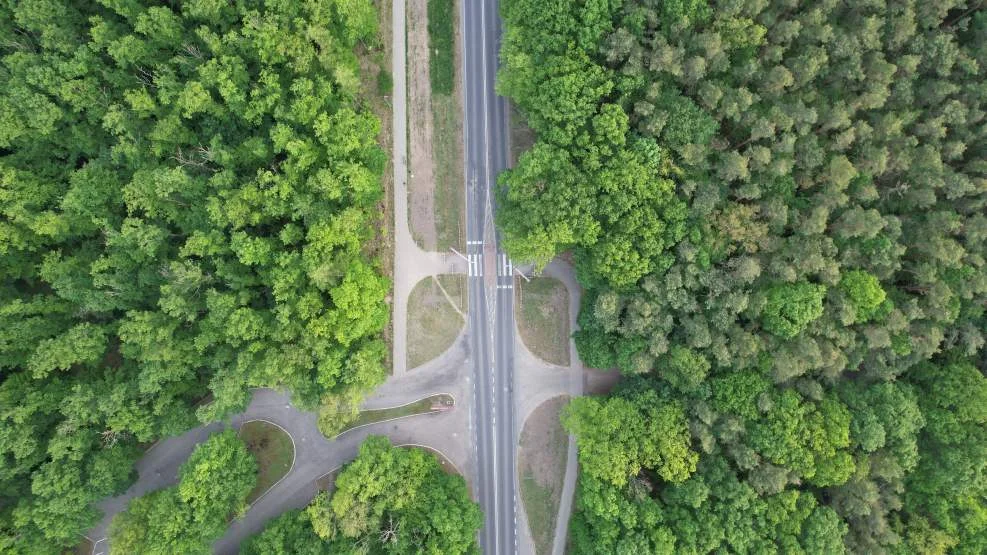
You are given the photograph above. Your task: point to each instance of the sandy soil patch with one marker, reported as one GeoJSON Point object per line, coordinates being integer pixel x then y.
{"type": "Point", "coordinates": [435, 182]}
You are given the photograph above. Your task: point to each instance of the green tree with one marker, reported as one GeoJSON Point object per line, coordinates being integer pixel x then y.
{"type": "Point", "coordinates": [388, 500]}
{"type": "Point", "coordinates": [212, 485]}
{"type": "Point", "coordinates": [187, 192]}
{"type": "Point", "coordinates": [864, 293]}
{"type": "Point", "coordinates": [790, 308]}
{"type": "Point", "coordinates": [619, 437]}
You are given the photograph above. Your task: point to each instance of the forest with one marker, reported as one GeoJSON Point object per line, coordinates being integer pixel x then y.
{"type": "Point", "coordinates": [778, 212]}
{"type": "Point", "coordinates": [189, 200]}
{"type": "Point", "coordinates": [387, 500]}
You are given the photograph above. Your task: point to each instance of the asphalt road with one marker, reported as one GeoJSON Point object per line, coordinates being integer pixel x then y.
{"type": "Point", "coordinates": [490, 279]}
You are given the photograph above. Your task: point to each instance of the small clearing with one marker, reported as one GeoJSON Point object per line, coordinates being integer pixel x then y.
{"type": "Point", "coordinates": [274, 451]}
{"type": "Point", "coordinates": [84, 548]}
{"type": "Point", "coordinates": [599, 382]}
{"type": "Point", "coordinates": [436, 316]}
{"type": "Point", "coordinates": [542, 310]}
{"type": "Point", "coordinates": [541, 470]}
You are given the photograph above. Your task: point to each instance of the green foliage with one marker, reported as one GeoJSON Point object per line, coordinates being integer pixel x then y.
{"type": "Point", "coordinates": [864, 293]}
{"type": "Point", "coordinates": [187, 191]}
{"type": "Point", "coordinates": [289, 534]}
{"type": "Point", "coordinates": [685, 369]}
{"type": "Point", "coordinates": [619, 437]}
{"type": "Point", "coordinates": [811, 291]}
{"type": "Point", "coordinates": [388, 500]}
{"type": "Point", "coordinates": [441, 46]}
{"type": "Point", "coordinates": [685, 123]}
{"type": "Point", "coordinates": [945, 494]}
{"type": "Point", "coordinates": [385, 83]}
{"type": "Point", "coordinates": [213, 485]}
{"type": "Point", "coordinates": [790, 308]}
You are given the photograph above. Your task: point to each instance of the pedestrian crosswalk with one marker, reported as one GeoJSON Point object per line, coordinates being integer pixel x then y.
{"type": "Point", "coordinates": [506, 266]}
{"type": "Point", "coordinates": [474, 264]}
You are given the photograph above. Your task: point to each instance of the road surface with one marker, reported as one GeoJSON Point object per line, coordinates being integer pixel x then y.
{"type": "Point", "coordinates": [490, 279]}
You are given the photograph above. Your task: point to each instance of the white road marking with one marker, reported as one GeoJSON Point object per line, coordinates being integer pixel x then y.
{"type": "Point", "coordinates": [475, 265]}
{"type": "Point", "coordinates": [506, 266]}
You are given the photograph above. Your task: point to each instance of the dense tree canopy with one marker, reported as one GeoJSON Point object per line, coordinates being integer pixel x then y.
{"type": "Point", "coordinates": [187, 195]}
{"type": "Point", "coordinates": [187, 518]}
{"type": "Point", "coordinates": [388, 500]}
{"type": "Point", "coordinates": [777, 210]}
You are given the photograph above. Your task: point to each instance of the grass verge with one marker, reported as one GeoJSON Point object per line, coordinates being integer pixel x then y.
{"type": "Point", "coordinates": [274, 451]}
{"type": "Point", "coordinates": [542, 311]}
{"type": "Point", "coordinates": [441, 64]}
{"type": "Point", "coordinates": [436, 309]}
{"type": "Point", "coordinates": [427, 405]}
{"type": "Point", "coordinates": [541, 470]}
{"type": "Point", "coordinates": [449, 191]}
{"type": "Point", "coordinates": [377, 84]}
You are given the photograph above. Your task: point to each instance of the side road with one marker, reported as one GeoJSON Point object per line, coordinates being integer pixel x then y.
{"type": "Point", "coordinates": [314, 455]}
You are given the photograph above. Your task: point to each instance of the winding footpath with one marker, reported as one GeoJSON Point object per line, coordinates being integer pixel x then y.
{"type": "Point", "coordinates": [314, 455]}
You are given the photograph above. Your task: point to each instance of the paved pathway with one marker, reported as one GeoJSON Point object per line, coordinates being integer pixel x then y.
{"type": "Point", "coordinates": [567, 275]}
{"type": "Point", "coordinates": [314, 456]}
{"type": "Point", "coordinates": [540, 381]}
{"type": "Point", "coordinates": [411, 263]}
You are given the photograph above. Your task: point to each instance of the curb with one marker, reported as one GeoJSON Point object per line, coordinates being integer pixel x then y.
{"type": "Point", "coordinates": [454, 403]}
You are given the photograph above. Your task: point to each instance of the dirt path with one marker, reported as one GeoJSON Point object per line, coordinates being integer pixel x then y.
{"type": "Point", "coordinates": [421, 182]}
